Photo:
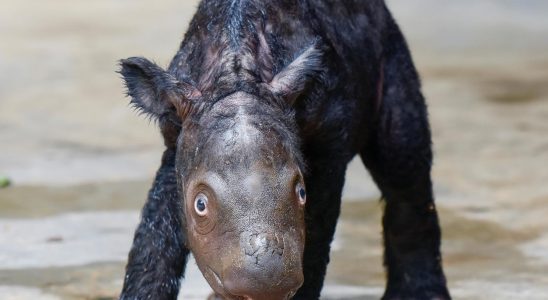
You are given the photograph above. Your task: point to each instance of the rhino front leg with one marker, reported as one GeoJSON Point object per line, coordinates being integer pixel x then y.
{"type": "Point", "coordinates": [158, 257]}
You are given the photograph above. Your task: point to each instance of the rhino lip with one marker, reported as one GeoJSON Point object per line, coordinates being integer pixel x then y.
{"type": "Point", "coordinates": [220, 283]}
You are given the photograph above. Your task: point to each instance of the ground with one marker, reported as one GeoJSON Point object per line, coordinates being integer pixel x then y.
{"type": "Point", "coordinates": [81, 161]}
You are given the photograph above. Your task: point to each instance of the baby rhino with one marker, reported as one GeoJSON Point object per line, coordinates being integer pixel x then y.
{"type": "Point", "coordinates": [261, 110]}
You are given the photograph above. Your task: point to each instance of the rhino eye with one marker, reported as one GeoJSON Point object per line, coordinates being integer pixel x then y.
{"type": "Point", "coordinates": [200, 204]}
{"type": "Point", "coordinates": [301, 193]}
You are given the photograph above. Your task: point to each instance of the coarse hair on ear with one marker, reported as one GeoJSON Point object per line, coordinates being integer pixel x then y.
{"type": "Point", "coordinates": [154, 91]}
{"type": "Point", "coordinates": [291, 81]}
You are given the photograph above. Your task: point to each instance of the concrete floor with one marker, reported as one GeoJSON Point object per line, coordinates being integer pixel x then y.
{"type": "Point", "coordinates": [81, 161]}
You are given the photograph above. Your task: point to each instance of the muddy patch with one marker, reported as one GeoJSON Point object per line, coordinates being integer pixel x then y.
{"type": "Point", "coordinates": [497, 84]}
{"type": "Point", "coordinates": [513, 91]}
{"type": "Point", "coordinates": [40, 201]}
{"type": "Point", "coordinates": [90, 282]}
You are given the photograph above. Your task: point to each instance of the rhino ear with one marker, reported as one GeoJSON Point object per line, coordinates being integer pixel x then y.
{"type": "Point", "coordinates": [291, 81]}
{"type": "Point", "coordinates": [154, 91]}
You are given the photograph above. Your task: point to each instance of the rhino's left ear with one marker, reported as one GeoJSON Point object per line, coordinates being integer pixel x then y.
{"type": "Point", "coordinates": [291, 81]}
{"type": "Point", "coordinates": [155, 91]}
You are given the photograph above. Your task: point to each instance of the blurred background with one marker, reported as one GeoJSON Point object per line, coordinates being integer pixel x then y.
{"type": "Point", "coordinates": [76, 161]}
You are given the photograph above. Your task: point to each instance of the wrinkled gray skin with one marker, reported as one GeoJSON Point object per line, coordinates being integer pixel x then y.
{"type": "Point", "coordinates": [239, 154]}
{"type": "Point", "coordinates": [252, 238]}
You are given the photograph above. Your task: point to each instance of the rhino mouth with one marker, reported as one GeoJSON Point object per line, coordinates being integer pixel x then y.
{"type": "Point", "coordinates": [219, 283]}
{"type": "Point", "coordinates": [224, 295]}
{"type": "Point", "coordinates": [227, 296]}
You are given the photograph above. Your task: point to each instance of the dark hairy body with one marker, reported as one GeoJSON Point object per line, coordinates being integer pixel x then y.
{"type": "Point", "coordinates": [333, 79]}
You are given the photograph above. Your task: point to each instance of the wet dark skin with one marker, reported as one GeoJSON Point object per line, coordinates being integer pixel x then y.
{"type": "Point", "coordinates": [261, 110]}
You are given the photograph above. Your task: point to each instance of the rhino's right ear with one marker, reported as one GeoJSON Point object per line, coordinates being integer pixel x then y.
{"type": "Point", "coordinates": [291, 81]}
{"type": "Point", "coordinates": [154, 91]}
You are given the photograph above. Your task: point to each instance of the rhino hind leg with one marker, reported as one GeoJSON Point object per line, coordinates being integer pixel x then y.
{"type": "Point", "coordinates": [399, 158]}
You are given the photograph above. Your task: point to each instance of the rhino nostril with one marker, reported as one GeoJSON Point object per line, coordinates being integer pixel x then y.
{"type": "Point", "coordinates": [263, 243]}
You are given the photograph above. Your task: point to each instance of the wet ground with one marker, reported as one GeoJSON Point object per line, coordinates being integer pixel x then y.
{"type": "Point", "coordinates": [81, 161]}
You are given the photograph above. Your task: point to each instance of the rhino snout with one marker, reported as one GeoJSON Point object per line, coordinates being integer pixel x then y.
{"type": "Point", "coordinates": [269, 268]}
{"type": "Point", "coordinates": [255, 244]}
